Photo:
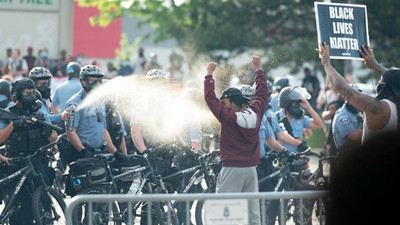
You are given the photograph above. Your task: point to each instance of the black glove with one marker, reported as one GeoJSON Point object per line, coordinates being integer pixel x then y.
{"type": "Point", "coordinates": [290, 156]}
{"type": "Point", "coordinates": [302, 146]}
{"type": "Point", "coordinates": [46, 132]}
{"type": "Point", "coordinates": [119, 157]}
{"type": "Point", "coordinates": [84, 153]}
{"type": "Point", "coordinates": [20, 123]}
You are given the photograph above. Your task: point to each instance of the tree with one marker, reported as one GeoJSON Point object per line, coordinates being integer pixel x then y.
{"type": "Point", "coordinates": [285, 28]}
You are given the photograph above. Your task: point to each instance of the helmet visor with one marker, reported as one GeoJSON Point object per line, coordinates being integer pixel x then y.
{"type": "Point", "coordinates": [299, 93]}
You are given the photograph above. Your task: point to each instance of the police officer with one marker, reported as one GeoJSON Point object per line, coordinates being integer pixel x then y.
{"type": "Point", "coordinates": [5, 97]}
{"type": "Point", "coordinates": [87, 130]}
{"type": "Point", "coordinates": [68, 88]}
{"type": "Point", "coordinates": [292, 118]}
{"type": "Point", "coordinates": [141, 135]}
{"type": "Point", "coordinates": [22, 137]}
{"type": "Point", "coordinates": [347, 128]}
{"type": "Point", "coordinates": [279, 84]}
{"type": "Point", "coordinates": [42, 78]}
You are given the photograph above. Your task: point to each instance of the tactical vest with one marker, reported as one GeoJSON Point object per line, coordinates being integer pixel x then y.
{"type": "Point", "coordinates": [24, 141]}
{"type": "Point", "coordinates": [4, 103]}
{"type": "Point", "coordinates": [114, 126]}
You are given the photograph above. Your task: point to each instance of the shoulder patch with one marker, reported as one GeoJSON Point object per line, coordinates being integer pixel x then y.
{"type": "Point", "coordinates": [344, 120]}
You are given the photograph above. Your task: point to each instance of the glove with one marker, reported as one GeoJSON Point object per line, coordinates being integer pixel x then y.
{"type": "Point", "coordinates": [46, 132]}
{"type": "Point", "coordinates": [84, 153]}
{"type": "Point", "coordinates": [302, 146]}
{"type": "Point", "coordinates": [119, 157]}
{"type": "Point", "coordinates": [20, 123]}
{"type": "Point", "coordinates": [290, 156]}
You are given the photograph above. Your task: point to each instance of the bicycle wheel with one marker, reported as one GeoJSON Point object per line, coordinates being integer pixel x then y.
{"type": "Point", "coordinates": [48, 207]}
{"type": "Point", "coordinates": [199, 212]}
{"type": "Point", "coordinates": [58, 183]}
{"type": "Point", "coordinates": [101, 213]}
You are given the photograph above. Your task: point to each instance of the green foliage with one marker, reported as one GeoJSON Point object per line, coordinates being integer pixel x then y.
{"type": "Point", "coordinates": [126, 50]}
{"type": "Point", "coordinates": [285, 28]}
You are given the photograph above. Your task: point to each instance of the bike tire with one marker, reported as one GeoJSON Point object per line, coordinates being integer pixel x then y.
{"type": "Point", "coordinates": [100, 213]}
{"type": "Point", "coordinates": [48, 207]}
{"type": "Point", "coordinates": [199, 213]}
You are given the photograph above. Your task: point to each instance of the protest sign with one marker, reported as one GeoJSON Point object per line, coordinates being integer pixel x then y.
{"type": "Point", "coordinates": [344, 27]}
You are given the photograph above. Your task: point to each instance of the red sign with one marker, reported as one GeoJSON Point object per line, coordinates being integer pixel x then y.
{"type": "Point", "coordinates": [94, 42]}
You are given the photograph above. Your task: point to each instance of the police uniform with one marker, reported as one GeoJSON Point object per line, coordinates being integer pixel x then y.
{"type": "Point", "coordinates": [344, 123]}
{"type": "Point", "coordinates": [297, 129]}
{"type": "Point", "coordinates": [89, 121]}
{"type": "Point", "coordinates": [274, 102]}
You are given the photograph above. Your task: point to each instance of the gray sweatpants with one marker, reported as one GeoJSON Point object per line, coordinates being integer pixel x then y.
{"type": "Point", "coordinates": [241, 179]}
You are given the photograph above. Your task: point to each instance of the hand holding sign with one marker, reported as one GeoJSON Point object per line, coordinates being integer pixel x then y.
{"type": "Point", "coordinates": [324, 52]}
{"type": "Point", "coordinates": [368, 55]}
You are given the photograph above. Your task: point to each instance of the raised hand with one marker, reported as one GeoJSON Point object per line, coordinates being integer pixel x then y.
{"type": "Point", "coordinates": [324, 52]}
{"type": "Point", "coordinates": [257, 62]}
{"type": "Point", "coordinates": [211, 68]}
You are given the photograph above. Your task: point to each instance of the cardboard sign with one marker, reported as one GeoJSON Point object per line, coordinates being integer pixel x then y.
{"type": "Point", "coordinates": [344, 27]}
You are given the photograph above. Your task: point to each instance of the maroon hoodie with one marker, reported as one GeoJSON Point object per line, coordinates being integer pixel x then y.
{"type": "Point", "coordinates": [239, 146]}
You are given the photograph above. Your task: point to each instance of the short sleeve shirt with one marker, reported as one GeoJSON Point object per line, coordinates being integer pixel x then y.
{"type": "Point", "coordinates": [90, 121]}
{"type": "Point", "coordinates": [344, 123]}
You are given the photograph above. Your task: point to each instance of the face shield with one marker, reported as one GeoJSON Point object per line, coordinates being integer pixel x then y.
{"type": "Point", "coordinates": [298, 93]}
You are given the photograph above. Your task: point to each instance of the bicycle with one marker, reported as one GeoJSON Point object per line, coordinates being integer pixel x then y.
{"type": "Point", "coordinates": [321, 179]}
{"type": "Point", "coordinates": [287, 180]}
{"type": "Point", "coordinates": [47, 205]}
{"type": "Point", "coordinates": [146, 179]}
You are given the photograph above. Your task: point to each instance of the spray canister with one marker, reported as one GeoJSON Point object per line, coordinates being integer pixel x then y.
{"type": "Point", "coordinates": [71, 118]}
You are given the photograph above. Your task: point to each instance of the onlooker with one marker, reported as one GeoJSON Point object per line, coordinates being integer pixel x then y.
{"type": "Point", "coordinates": [311, 84]}
{"type": "Point", "coordinates": [239, 140]}
{"type": "Point", "coordinates": [175, 69]}
{"type": "Point", "coordinates": [111, 71]}
{"type": "Point", "coordinates": [60, 68]}
{"type": "Point", "coordinates": [43, 59]}
{"type": "Point", "coordinates": [140, 62]}
{"type": "Point", "coordinates": [152, 64]}
{"type": "Point", "coordinates": [381, 113]}
{"type": "Point", "coordinates": [30, 58]}
{"type": "Point", "coordinates": [4, 62]}
{"type": "Point", "coordinates": [126, 68]}
{"type": "Point", "coordinates": [17, 66]}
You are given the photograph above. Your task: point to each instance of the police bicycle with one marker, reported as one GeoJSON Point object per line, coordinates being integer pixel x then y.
{"type": "Point", "coordinates": [144, 177]}
{"type": "Point", "coordinates": [47, 205]}
{"type": "Point", "coordinates": [286, 178]}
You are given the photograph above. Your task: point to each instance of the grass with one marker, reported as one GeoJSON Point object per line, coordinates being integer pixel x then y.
{"type": "Point", "coordinates": [317, 140]}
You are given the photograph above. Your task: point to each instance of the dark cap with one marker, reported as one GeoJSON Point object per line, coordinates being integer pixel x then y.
{"type": "Point", "coordinates": [229, 92]}
{"type": "Point", "coordinates": [392, 79]}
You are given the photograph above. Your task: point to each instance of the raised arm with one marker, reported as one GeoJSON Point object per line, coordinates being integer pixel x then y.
{"type": "Point", "coordinates": [376, 112]}
{"type": "Point", "coordinates": [370, 61]}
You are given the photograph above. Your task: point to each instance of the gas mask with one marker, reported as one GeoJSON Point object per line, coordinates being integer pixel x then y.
{"type": "Point", "coordinates": [30, 102]}
{"type": "Point", "coordinates": [90, 86]}
{"type": "Point", "coordinates": [295, 110]}
{"type": "Point", "coordinates": [45, 91]}
{"type": "Point", "coordinates": [383, 90]}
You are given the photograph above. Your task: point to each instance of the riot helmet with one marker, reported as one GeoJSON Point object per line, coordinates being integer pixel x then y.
{"type": "Point", "coordinates": [29, 99]}
{"type": "Point", "coordinates": [290, 99]}
{"type": "Point", "coordinates": [39, 73]}
{"type": "Point", "coordinates": [88, 73]}
{"type": "Point", "coordinates": [270, 88]}
{"type": "Point", "coordinates": [5, 86]}
{"type": "Point", "coordinates": [280, 83]}
{"type": "Point", "coordinates": [73, 69]}
{"type": "Point", "coordinates": [156, 74]}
